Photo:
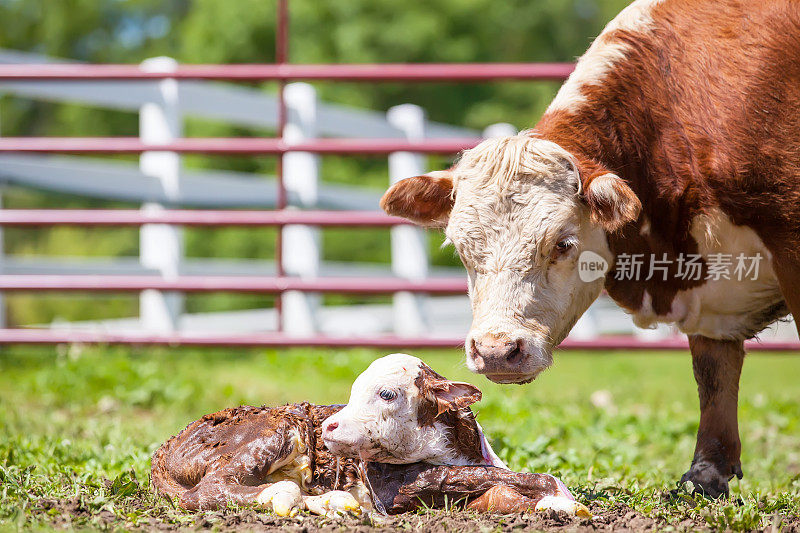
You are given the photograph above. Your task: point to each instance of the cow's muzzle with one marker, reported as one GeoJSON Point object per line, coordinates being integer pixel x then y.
{"type": "Point", "coordinates": [503, 359]}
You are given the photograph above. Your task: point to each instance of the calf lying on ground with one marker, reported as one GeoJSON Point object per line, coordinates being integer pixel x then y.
{"type": "Point", "coordinates": [406, 438]}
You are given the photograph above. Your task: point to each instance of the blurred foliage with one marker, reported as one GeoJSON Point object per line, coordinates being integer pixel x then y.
{"type": "Point", "coordinates": [241, 31]}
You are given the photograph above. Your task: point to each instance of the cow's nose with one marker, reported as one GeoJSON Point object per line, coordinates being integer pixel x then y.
{"type": "Point", "coordinates": [330, 427]}
{"type": "Point", "coordinates": [493, 353]}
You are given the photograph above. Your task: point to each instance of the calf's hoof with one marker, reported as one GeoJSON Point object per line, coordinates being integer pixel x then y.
{"type": "Point", "coordinates": [333, 503]}
{"type": "Point", "coordinates": [560, 503]}
{"type": "Point", "coordinates": [711, 479]}
{"type": "Point", "coordinates": [284, 497]}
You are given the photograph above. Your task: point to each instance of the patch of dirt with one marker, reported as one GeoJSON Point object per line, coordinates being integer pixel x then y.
{"type": "Point", "coordinates": [72, 513]}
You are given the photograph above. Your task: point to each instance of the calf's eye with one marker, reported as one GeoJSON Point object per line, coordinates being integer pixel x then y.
{"type": "Point", "coordinates": [387, 395]}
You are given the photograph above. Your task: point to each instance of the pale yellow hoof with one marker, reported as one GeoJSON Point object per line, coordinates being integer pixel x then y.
{"type": "Point", "coordinates": [284, 497]}
{"type": "Point", "coordinates": [333, 503]}
{"type": "Point", "coordinates": [559, 503]}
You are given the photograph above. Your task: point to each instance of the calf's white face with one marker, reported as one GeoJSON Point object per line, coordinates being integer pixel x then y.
{"type": "Point", "coordinates": [391, 416]}
{"type": "Point", "coordinates": [520, 214]}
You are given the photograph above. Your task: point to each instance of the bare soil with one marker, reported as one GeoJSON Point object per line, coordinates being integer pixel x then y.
{"type": "Point", "coordinates": [73, 513]}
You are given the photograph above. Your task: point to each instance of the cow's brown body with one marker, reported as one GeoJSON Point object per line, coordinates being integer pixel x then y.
{"type": "Point", "coordinates": [704, 113]}
{"type": "Point", "coordinates": [678, 135]}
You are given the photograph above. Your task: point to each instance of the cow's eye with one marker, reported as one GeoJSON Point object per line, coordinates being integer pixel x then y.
{"type": "Point", "coordinates": [387, 395]}
{"type": "Point", "coordinates": [563, 246]}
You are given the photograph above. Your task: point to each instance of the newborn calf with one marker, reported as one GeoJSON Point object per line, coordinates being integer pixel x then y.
{"type": "Point", "coordinates": [403, 419]}
{"type": "Point", "coordinates": [400, 412]}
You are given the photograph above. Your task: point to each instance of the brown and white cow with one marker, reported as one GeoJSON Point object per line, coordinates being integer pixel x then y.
{"type": "Point", "coordinates": [678, 135]}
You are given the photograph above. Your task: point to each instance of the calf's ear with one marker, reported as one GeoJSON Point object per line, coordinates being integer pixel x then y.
{"type": "Point", "coordinates": [454, 395]}
{"type": "Point", "coordinates": [612, 203]}
{"type": "Point", "coordinates": [424, 200]}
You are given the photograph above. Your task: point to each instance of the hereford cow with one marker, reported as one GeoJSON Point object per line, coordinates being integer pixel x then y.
{"type": "Point", "coordinates": [678, 138]}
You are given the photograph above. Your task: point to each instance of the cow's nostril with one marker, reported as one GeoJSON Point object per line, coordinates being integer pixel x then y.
{"type": "Point", "coordinates": [477, 358]}
{"type": "Point", "coordinates": [332, 426]}
{"type": "Point", "coordinates": [515, 355]}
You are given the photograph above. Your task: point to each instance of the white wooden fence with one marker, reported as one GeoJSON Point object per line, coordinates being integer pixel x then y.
{"type": "Point", "coordinates": [160, 181]}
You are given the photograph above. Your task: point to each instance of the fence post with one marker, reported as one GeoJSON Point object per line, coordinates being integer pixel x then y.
{"type": "Point", "coordinates": [409, 244]}
{"type": "Point", "coordinates": [2, 257]}
{"type": "Point", "coordinates": [161, 245]}
{"type": "Point", "coordinates": [501, 129]}
{"type": "Point", "coordinates": [301, 244]}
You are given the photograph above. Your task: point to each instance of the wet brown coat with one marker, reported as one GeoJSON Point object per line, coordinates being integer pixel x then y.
{"type": "Point", "coordinates": [412, 486]}
{"type": "Point", "coordinates": [231, 455]}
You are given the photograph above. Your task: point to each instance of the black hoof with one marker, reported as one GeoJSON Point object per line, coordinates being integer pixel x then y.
{"type": "Point", "coordinates": [710, 479]}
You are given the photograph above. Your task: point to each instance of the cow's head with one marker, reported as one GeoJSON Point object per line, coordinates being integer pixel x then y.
{"type": "Point", "coordinates": [522, 213]}
{"type": "Point", "coordinates": [401, 411]}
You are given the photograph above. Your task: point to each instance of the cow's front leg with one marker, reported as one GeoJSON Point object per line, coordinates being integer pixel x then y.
{"type": "Point", "coordinates": [717, 366]}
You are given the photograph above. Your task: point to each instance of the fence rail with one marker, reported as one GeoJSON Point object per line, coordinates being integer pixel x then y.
{"type": "Point", "coordinates": [230, 145]}
{"type": "Point", "coordinates": [388, 72]}
{"type": "Point", "coordinates": [255, 284]}
{"type": "Point", "coordinates": [187, 217]}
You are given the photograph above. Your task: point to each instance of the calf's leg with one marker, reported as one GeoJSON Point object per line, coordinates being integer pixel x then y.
{"type": "Point", "coordinates": [215, 492]}
{"type": "Point", "coordinates": [502, 499]}
{"type": "Point", "coordinates": [717, 366]}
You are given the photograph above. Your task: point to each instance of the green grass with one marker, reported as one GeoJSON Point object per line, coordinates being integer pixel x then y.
{"type": "Point", "coordinates": [72, 418]}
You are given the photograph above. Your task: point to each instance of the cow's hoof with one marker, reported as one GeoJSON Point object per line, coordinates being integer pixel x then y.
{"type": "Point", "coordinates": [710, 479]}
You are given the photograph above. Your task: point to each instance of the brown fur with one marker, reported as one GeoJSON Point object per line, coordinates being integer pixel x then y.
{"type": "Point", "coordinates": [424, 200]}
{"type": "Point", "coordinates": [704, 112]}
{"type": "Point", "coordinates": [701, 114]}
{"type": "Point", "coordinates": [717, 366]}
{"type": "Point", "coordinates": [440, 402]}
{"type": "Point", "coordinates": [402, 490]}
{"type": "Point", "coordinates": [227, 456]}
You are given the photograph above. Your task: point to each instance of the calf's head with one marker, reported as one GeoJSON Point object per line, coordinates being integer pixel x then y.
{"type": "Point", "coordinates": [400, 411]}
{"type": "Point", "coordinates": [523, 215]}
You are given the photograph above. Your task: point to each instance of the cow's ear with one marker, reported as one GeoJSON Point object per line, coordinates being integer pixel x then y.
{"type": "Point", "coordinates": [454, 395]}
{"type": "Point", "coordinates": [424, 200]}
{"type": "Point", "coordinates": [612, 203]}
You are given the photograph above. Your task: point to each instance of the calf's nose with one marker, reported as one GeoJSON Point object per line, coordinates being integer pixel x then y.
{"type": "Point", "coordinates": [493, 353]}
{"type": "Point", "coordinates": [330, 427]}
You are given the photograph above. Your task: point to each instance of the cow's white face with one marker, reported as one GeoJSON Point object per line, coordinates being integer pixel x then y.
{"type": "Point", "coordinates": [391, 416]}
{"type": "Point", "coordinates": [520, 215]}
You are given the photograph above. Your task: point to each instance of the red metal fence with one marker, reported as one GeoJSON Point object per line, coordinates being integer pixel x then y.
{"type": "Point", "coordinates": [281, 72]}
